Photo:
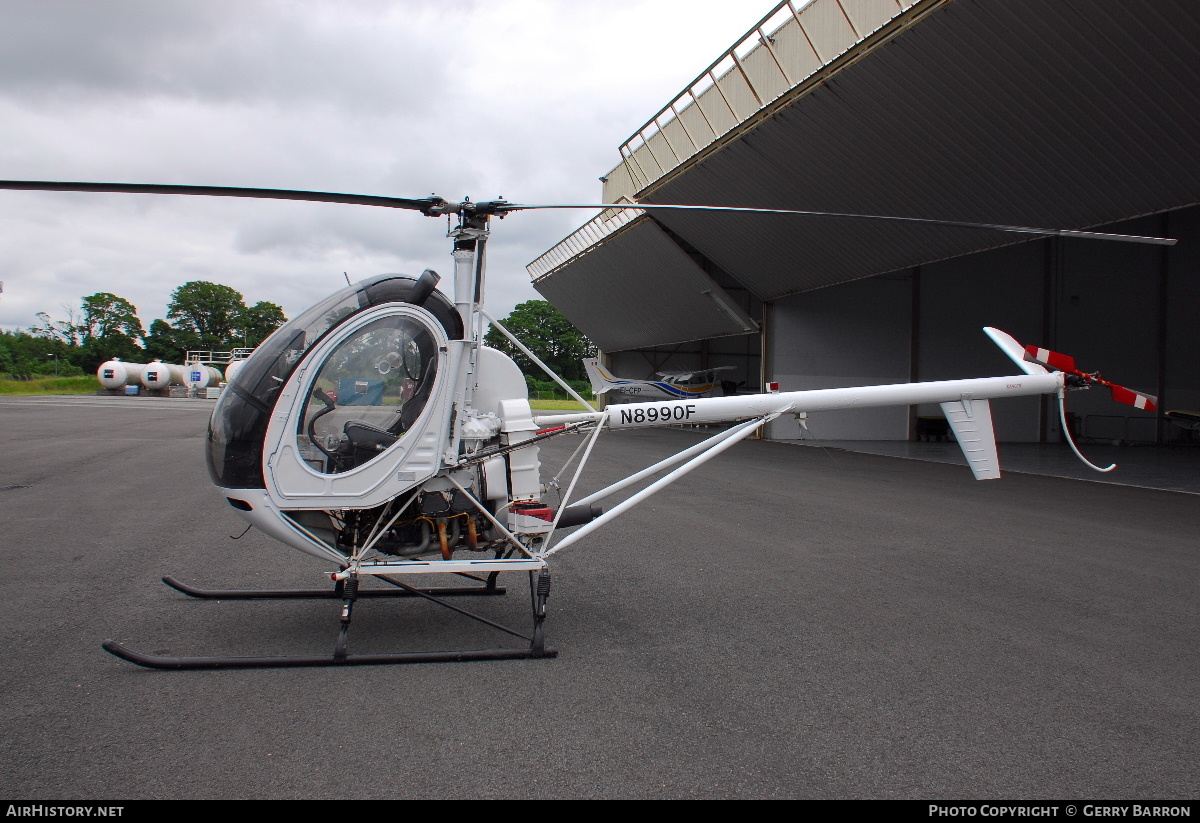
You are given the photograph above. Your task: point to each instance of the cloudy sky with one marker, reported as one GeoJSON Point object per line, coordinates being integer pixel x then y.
{"type": "Point", "coordinates": [525, 99]}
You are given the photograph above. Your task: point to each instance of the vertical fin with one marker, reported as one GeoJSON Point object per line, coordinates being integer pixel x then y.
{"type": "Point", "coordinates": [971, 421]}
{"type": "Point", "coordinates": [1014, 350]}
{"type": "Point", "coordinates": [599, 383]}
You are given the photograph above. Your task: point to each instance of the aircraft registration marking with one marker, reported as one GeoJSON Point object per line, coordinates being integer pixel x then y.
{"type": "Point", "coordinates": [647, 413]}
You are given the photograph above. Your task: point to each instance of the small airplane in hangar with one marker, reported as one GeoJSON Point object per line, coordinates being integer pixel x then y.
{"type": "Point", "coordinates": [376, 432]}
{"type": "Point", "coordinates": [673, 385]}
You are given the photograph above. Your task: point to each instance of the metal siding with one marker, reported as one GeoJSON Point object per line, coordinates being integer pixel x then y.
{"type": "Point", "coordinates": [828, 29]}
{"type": "Point", "coordinates": [738, 95]}
{"type": "Point", "coordinates": [796, 51]}
{"type": "Point", "coordinates": [870, 15]}
{"type": "Point", "coordinates": [765, 74]}
{"type": "Point", "coordinates": [698, 123]}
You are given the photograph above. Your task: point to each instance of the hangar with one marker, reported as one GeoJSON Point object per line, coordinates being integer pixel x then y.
{"type": "Point", "coordinates": [1067, 115]}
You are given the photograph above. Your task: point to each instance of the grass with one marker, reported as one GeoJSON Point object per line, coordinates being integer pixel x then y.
{"type": "Point", "coordinates": [556, 405]}
{"type": "Point", "coordinates": [88, 384]}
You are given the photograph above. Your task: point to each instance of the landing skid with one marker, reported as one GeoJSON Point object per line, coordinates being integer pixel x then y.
{"type": "Point", "coordinates": [348, 592]}
{"type": "Point", "coordinates": [330, 594]}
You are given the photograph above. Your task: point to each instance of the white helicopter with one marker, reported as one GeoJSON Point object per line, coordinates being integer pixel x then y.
{"type": "Point", "coordinates": [673, 386]}
{"type": "Point", "coordinates": [377, 433]}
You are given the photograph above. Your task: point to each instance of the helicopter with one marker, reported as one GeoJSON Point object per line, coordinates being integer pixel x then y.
{"type": "Point", "coordinates": [376, 432]}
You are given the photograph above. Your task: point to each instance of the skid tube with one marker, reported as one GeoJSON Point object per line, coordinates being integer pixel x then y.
{"type": "Point", "coordinates": [331, 594]}
{"type": "Point", "coordinates": [348, 592]}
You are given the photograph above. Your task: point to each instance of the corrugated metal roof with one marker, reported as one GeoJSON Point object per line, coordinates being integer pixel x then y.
{"type": "Point", "coordinates": [1065, 115]}
{"type": "Point", "coordinates": [643, 290]}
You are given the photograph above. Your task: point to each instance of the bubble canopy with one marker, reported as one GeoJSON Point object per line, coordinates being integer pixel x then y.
{"type": "Point", "coordinates": [368, 391]}
{"type": "Point", "coordinates": [238, 427]}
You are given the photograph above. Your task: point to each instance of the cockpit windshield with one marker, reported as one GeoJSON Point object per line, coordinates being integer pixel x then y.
{"type": "Point", "coordinates": [367, 393]}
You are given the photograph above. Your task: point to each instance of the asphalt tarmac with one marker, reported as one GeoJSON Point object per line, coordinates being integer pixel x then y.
{"type": "Point", "coordinates": [783, 622]}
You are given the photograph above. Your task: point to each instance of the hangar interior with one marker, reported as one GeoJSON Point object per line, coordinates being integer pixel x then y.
{"type": "Point", "coordinates": [1071, 115]}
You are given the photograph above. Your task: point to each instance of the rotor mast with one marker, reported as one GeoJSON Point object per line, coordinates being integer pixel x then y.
{"type": "Point", "coordinates": [470, 242]}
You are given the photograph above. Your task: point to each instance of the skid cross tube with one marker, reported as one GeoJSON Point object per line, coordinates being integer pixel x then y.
{"type": "Point", "coordinates": [348, 593]}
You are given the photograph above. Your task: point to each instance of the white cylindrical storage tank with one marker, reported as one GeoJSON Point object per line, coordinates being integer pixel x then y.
{"type": "Point", "coordinates": [115, 374]}
{"type": "Point", "coordinates": [159, 375]}
{"type": "Point", "coordinates": [232, 369]}
{"type": "Point", "coordinates": [200, 376]}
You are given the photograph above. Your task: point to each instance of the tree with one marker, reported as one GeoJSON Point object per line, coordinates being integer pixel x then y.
{"type": "Point", "coordinates": [549, 335]}
{"type": "Point", "coordinates": [8, 359]}
{"type": "Point", "coordinates": [256, 323]}
{"type": "Point", "coordinates": [163, 342]}
{"type": "Point", "coordinates": [64, 331]}
{"type": "Point", "coordinates": [106, 326]}
{"type": "Point", "coordinates": [24, 355]}
{"type": "Point", "coordinates": [205, 315]}
{"type": "Point", "coordinates": [214, 317]}
{"type": "Point", "coordinates": [106, 314]}
{"type": "Point", "coordinates": [97, 350]}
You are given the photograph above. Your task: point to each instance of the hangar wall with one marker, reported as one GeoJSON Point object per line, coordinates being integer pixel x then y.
{"type": "Point", "coordinates": [850, 335]}
{"type": "Point", "coordinates": [1181, 340]}
{"type": "Point", "coordinates": [742, 351]}
{"type": "Point", "coordinates": [1126, 310]}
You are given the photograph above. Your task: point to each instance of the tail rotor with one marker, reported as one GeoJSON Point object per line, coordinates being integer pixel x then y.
{"type": "Point", "coordinates": [1036, 360]}
{"type": "Point", "coordinates": [1065, 363]}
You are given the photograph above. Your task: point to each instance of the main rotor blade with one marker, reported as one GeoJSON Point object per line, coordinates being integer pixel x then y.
{"type": "Point", "coordinates": [435, 205]}
{"type": "Point", "coordinates": [960, 224]}
{"type": "Point", "coordinates": [431, 205]}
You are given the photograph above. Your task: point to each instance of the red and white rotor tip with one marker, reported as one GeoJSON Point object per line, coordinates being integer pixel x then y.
{"type": "Point", "coordinates": [1137, 399]}
{"type": "Point", "coordinates": [1065, 363]}
{"type": "Point", "coordinates": [1050, 359]}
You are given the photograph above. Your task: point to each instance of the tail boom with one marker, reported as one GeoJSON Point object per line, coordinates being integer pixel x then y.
{"type": "Point", "coordinates": [743, 407]}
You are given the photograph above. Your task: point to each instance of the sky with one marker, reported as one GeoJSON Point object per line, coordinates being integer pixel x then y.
{"type": "Point", "coordinates": [522, 99]}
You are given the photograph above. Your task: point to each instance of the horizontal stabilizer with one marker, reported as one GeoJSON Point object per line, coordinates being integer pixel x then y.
{"type": "Point", "coordinates": [971, 421]}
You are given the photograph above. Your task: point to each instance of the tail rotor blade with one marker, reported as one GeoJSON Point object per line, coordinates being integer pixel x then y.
{"type": "Point", "coordinates": [1050, 359]}
{"type": "Point", "coordinates": [1066, 363]}
{"type": "Point", "coordinates": [1138, 400]}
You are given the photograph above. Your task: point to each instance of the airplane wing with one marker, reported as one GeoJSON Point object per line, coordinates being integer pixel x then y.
{"type": "Point", "coordinates": [683, 375]}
